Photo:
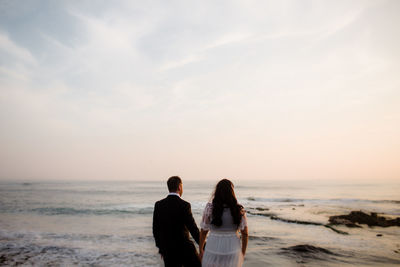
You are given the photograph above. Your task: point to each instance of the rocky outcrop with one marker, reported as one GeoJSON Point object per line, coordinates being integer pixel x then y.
{"type": "Point", "coordinates": [273, 216]}
{"type": "Point", "coordinates": [354, 218]}
{"type": "Point", "coordinates": [308, 249]}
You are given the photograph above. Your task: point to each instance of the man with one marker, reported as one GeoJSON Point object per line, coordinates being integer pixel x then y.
{"type": "Point", "coordinates": [172, 222]}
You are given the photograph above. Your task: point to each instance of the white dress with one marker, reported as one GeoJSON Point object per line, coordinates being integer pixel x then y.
{"type": "Point", "coordinates": [223, 247]}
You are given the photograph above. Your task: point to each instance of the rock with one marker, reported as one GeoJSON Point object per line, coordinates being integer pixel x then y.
{"type": "Point", "coordinates": [359, 217]}
{"type": "Point", "coordinates": [261, 209]}
{"type": "Point", "coordinates": [308, 249]}
{"type": "Point", "coordinates": [2, 259]}
{"type": "Point", "coordinates": [295, 221]}
{"type": "Point", "coordinates": [273, 216]}
{"type": "Point", "coordinates": [379, 235]}
{"type": "Point", "coordinates": [335, 230]}
{"type": "Point", "coordinates": [266, 214]}
{"type": "Point", "coordinates": [343, 221]}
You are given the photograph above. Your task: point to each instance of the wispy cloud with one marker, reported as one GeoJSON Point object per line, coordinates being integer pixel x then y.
{"type": "Point", "coordinates": [8, 47]}
{"type": "Point", "coordinates": [258, 78]}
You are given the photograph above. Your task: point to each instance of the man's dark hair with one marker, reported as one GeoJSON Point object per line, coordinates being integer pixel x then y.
{"type": "Point", "coordinates": [173, 183]}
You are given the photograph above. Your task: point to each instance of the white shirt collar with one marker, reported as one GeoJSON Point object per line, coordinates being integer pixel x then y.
{"type": "Point", "coordinates": [174, 194]}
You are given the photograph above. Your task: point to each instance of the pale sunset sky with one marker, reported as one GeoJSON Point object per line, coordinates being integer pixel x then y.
{"type": "Point", "coordinates": [272, 90]}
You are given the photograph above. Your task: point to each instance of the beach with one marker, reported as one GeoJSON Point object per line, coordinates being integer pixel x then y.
{"type": "Point", "coordinates": [109, 223]}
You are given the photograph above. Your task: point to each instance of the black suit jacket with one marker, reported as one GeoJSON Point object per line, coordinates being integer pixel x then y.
{"type": "Point", "coordinates": [172, 222]}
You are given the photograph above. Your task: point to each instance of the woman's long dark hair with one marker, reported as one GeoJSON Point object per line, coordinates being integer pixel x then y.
{"type": "Point", "coordinates": [224, 196]}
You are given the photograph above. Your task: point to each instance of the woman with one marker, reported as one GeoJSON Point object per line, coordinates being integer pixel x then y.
{"type": "Point", "coordinates": [224, 217]}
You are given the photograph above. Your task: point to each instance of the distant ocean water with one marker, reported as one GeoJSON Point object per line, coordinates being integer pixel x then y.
{"type": "Point", "coordinates": [109, 223]}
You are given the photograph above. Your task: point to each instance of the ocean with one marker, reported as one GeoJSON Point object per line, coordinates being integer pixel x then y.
{"type": "Point", "coordinates": [109, 223]}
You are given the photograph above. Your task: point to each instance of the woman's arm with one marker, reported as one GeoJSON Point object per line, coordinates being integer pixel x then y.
{"type": "Point", "coordinates": [203, 235]}
{"type": "Point", "coordinates": [245, 238]}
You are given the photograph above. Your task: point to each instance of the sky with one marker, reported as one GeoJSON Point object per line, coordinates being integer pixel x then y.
{"type": "Point", "coordinates": [256, 90]}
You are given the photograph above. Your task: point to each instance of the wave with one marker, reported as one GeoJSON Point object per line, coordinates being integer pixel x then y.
{"type": "Point", "coordinates": [27, 188]}
{"type": "Point", "coordinates": [305, 253]}
{"type": "Point", "coordinates": [98, 238]}
{"type": "Point", "coordinates": [31, 254]}
{"type": "Point", "coordinates": [106, 238]}
{"type": "Point", "coordinates": [260, 199]}
{"type": "Point", "coordinates": [290, 200]}
{"type": "Point", "coordinates": [386, 201]}
{"type": "Point", "coordinates": [74, 211]}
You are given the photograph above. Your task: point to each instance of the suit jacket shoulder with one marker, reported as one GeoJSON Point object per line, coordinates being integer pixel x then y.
{"type": "Point", "coordinates": [172, 222]}
{"type": "Point", "coordinates": [185, 203]}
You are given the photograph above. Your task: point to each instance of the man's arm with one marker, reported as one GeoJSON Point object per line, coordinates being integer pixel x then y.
{"type": "Point", "coordinates": [191, 224]}
{"type": "Point", "coordinates": [156, 226]}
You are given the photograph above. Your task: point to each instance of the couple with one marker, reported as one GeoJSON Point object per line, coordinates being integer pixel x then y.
{"type": "Point", "coordinates": [223, 218]}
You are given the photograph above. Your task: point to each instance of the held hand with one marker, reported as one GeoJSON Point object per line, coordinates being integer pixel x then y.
{"type": "Point", "coordinates": [201, 254]}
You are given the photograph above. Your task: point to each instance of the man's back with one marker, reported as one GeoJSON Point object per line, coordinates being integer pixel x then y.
{"type": "Point", "coordinates": [171, 222]}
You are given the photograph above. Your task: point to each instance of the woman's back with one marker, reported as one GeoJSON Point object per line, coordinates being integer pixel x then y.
{"type": "Point", "coordinates": [223, 244]}
{"type": "Point", "coordinates": [227, 220]}
{"type": "Point", "coordinates": [223, 218]}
